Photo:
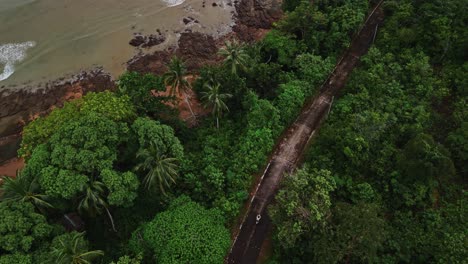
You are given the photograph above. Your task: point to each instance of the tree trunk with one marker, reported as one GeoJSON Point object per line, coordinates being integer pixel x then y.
{"type": "Point", "coordinates": [217, 123]}
{"type": "Point", "coordinates": [111, 219]}
{"type": "Point", "coordinates": [190, 107]}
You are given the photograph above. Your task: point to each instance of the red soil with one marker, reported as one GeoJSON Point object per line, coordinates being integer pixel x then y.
{"type": "Point", "coordinates": [10, 167]}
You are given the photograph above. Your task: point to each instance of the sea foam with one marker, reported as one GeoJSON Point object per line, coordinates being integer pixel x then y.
{"type": "Point", "coordinates": [12, 53]}
{"type": "Point", "coordinates": [173, 2]}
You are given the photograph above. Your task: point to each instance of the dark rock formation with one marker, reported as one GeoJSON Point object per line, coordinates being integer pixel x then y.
{"type": "Point", "coordinates": [17, 108]}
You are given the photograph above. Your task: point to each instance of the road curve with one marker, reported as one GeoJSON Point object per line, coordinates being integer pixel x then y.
{"type": "Point", "coordinates": [247, 244]}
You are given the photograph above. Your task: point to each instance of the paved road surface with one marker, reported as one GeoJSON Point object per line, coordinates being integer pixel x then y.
{"type": "Point", "coordinates": [247, 244]}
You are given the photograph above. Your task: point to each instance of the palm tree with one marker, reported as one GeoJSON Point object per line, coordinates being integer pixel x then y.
{"type": "Point", "coordinates": [213, 98]}
{"type": "Point", "coordinates": [234, 55]}
{"type": "Point", "coordinates": [175, 78]}
{"type": "Point", "coordinates": [161, 171]}
{"type": "Point", "coordinates": [73, 249]}
{"type": "Point", "coordinates": [23, 189]}
{"type": "Point", "coordinates": [93, 201]}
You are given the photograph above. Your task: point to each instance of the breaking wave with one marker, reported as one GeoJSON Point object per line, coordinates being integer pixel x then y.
{"type": "Point", "coordinates": [10, 54]}
{"type": "Point", "coordinates": [173, 2]}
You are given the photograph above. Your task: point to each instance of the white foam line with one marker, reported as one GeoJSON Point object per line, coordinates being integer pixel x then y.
{"type": "Point", "coordinates": [10, 54]}
{"type": "Point", "coordinates": [172, 3]}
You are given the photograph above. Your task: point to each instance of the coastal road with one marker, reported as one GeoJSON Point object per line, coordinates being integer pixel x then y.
{"type": "Point", "coordinates": [248, 242]}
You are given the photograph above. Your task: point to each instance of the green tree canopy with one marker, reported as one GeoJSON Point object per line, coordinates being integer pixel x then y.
{"type": "Point", "coordinates": [235, 56]}
{"type": "Point", "coordinates": [424, 160]}
{"type": "Point", "coordinates": [80, 149]}
{"type": "Point", "coordinates": [21, 228]}
{"type": "Point", "coordinates": [186, 233]}
{"type": "Point", "coordinates": [355, 234]}
{"type": "Point", "coordinates": [105, 103]}
{"type": "Point", "coordinates": [73, 248]}
{"type": "Point", "coordinates": [139, 88]}
{"type": "Point", "coordinates": [216, 100]}
{"type": "Point", "coordinates": [162, 136]}
{"type": "Point", "coordinates": [302, 205]}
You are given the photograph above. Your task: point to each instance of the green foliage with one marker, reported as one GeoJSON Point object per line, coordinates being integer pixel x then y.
{"type": "Point", "coordinates": [264, 78]}
{"type": "Point", "coordinates": [93, 201]}
{"type": "Point", "coordinates": [23, 189]}
{"type": "Point", "coordinates": [73, 248]}
{"type": "Point", "coordinates": [186, 233]}
{"type": "Point", "coordinates": [302, 205]}
{"type": "Point", "coordinates": [424, 160]}
{"type": "Point", "coordinates": [231, 84]}
{"type": "Point", "coordinates": [213, 98]}
{"type": "Point", "coordinates": [458, 144]}
{"type": "Point", "coordinates": [290, 5]}
{"type": "Point", "coordinates": [175, 77]}
{"type": "Point", "coordinates": [355, 233]}
{"type": "Point", "coordinates": [436, 27]}
{"type": "Point", "coordinates": [80, 149]}
{"type": "Point", "coordinates": [106, 104]}
{"type": "Point", "coordinates": [21, 228]}
{"type": "Point", "coordinates": [314, 70]}
{"type": "Point", "coordinates": [152, 132]}
{"type": "Point", "coordinates": [434, 235]}
{"type": "Point", "coordinates": [161, 171]}
{"type": "Point", "coordinates": [39, 131]}
{"type": "Point", "coordinates": [128, 260]}
{"type": "Point", "coordinates": [235, 56]}
{"type": "Point", "coordinates": [281, 47]}
{"type": "Point", "coordinates": [261, 113]}
{"type": "Point", "coordinates": [16, 258]}
{"type": "Point", "coordinates": [325, 27]}
{"type": "Point", "coordinates": [290, 100]}
{"type": "Point", "coordinates": [139, 89]}
{"type": "Point", "coordinates": [122, 187]}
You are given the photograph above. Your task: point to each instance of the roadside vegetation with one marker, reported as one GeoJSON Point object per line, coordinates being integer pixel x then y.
{"type": "Point", "coordinates": [382, 183]}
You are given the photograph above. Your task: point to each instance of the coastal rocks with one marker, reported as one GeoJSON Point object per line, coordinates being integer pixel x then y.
{"type": "Point", "coordinates": [137, 41]}
{"type": "Point", "coordinates": [150, 63]}
{"type": "Point", "coordinates": [253, 16]}
{"type": "Point", "coordinates": [147, 41]}
{"type": "Point", "coordinates": [17, 108]}
{"type": "Point", "coordinates": [253, 20]}
{"type": "Point", "coordinates": [196, 49]}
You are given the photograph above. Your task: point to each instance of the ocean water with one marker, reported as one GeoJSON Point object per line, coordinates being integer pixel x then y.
{"type": "Point", "coordinates": [42, 40]}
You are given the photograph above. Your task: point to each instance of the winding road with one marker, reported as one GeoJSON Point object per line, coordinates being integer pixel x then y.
{"type": "Point", "coordinates": [286, 156]}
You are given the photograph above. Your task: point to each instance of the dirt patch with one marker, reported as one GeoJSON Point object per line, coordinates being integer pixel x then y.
{"type": "Point", "coordinates": [197, 50]}
{"type": "Point", "coordinates": [254, 17]}
{"type": "Point", "coordinates": [185, 112]}
{"type": "Point", "coordinates": [10, 167]}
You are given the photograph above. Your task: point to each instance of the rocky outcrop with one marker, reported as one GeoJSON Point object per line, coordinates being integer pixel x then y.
{"type": "Point", "coordinates": [253, 18]}
{"type": "Point", "coordinates": [255, 15]}
{"type": "Point", "coordinates": [147, 41]}
{"type": "Point", "coordinates": [17, 108]}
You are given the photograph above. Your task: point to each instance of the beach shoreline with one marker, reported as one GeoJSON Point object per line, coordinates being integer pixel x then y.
{"type": "Point", "coordinates": [18, 107]}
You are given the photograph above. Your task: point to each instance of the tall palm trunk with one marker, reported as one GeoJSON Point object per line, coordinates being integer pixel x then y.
{"type": "Point", "coordinates": [189, 105]}
{"type": "Point", "coordinates": [110, 218]}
